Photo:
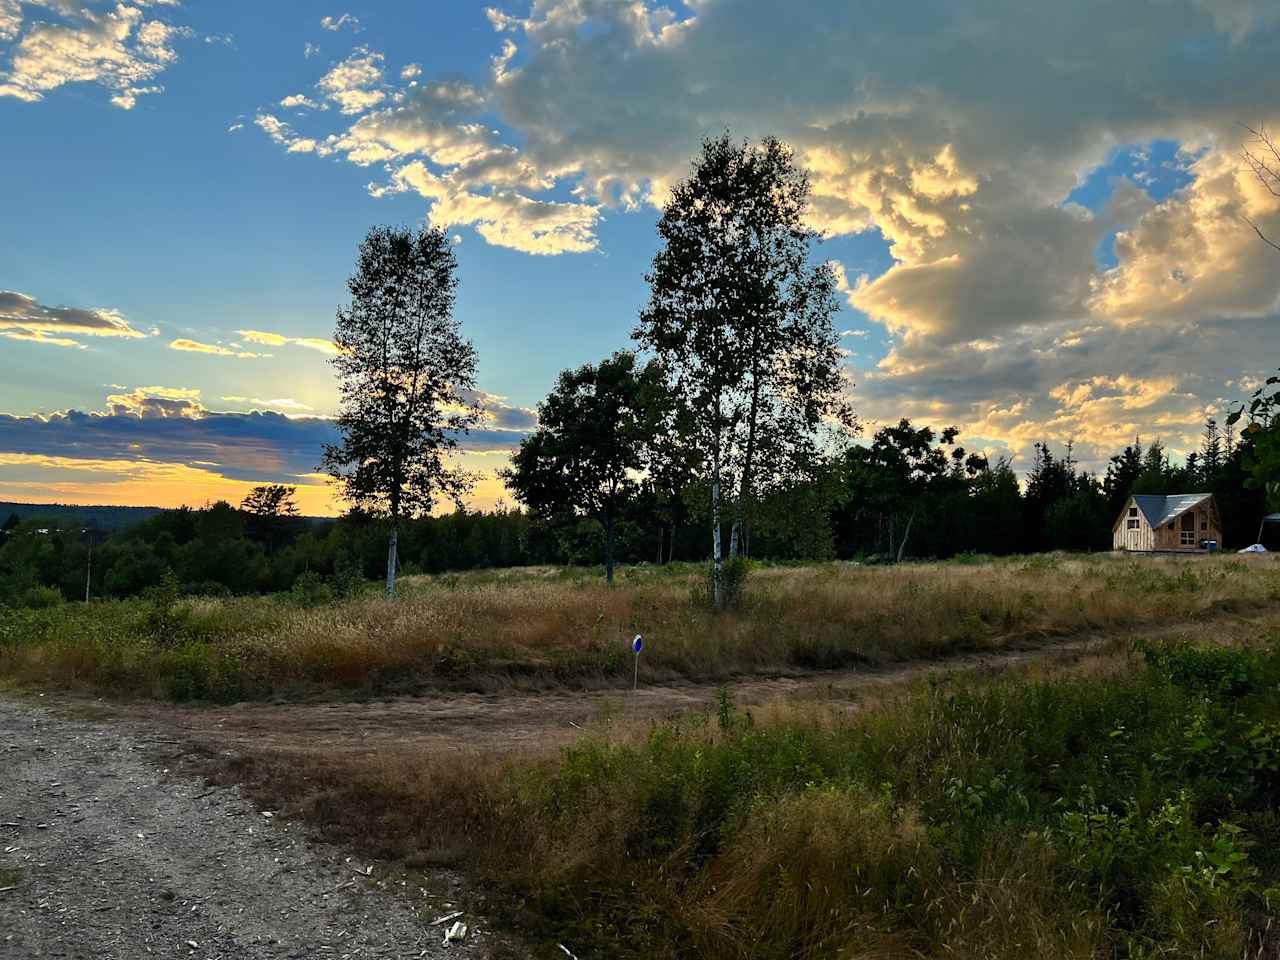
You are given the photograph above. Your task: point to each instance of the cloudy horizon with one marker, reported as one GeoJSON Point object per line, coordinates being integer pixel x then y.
{"type": "Point", "coordinates": [1039, 212]}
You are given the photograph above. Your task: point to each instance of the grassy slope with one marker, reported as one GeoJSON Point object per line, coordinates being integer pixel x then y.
{"type": "Point", "coordinates": [539, 628]}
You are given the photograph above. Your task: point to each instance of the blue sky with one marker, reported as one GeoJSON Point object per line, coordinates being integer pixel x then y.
{"type": "Point", "coordinates": [1037, 209]}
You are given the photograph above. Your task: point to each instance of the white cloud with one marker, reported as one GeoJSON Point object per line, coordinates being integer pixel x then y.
{"type": "Point", "coordinates": [432, 147]}
{"type": "Point", "coordinates": [301, 101]}
{"type": "Point", "coordinates": [120, 49]}
{"type": "Point", "coordinates": [266, 338]}
{"type": "Point", "coordinates": [10, 19]}
{"type": "Point", "coordinates": [283, 403]}
{"type": "Point", "coordinates": [504, 218]}
{"type": "Point", "coordinates": [214, 349]}
{"type": "Point", "coordinates": [335, 24]}
{"type": "Point", "coordinates": [411, 71]}
{"type": "Point", "coordinates": [354, 83]}
{"type": "Point", "coordinates": [310, 50]}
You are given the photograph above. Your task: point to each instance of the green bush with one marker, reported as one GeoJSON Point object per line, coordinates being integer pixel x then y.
{"type": "Point", "coordinates": [733, 584]}
{"type": "Point", "coordinates": [165, 617]}
{"type": "Point", "coordinates": [41, 598]}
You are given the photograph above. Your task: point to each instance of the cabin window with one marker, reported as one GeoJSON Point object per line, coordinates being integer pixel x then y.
{"type": "Point", "coordinates": [1187, 538]}
{"type": "Point", "coordinates": [1133, 511]}
{"type": "Point", "coordinates": [1204, 522]}
{"type": "Point", "coordinates": [1133, 524]}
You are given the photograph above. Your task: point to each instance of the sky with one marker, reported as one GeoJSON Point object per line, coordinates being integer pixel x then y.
{"type": "Point", "coordinates": [1038, 211]}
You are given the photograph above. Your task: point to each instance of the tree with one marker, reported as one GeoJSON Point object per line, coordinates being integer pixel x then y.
{"type": "Point", "coordinates": [594, 432]}
{"type": "Point", "coordinates": [902, 473]}
{"type": "Point", "coordinates": [273, 513]}
{"type": "Point", "coordinates": [1210, 451]}
{"type": "Point", "coordinates": [742, 322]}
{"type": "Point", "coordinates": [403, 367]}
{"type": "Point", "coordinates": [1261, 154]}
{"type": "Point", "coordinates": [271, 500]}
{"type": "Point", "coordinates": [1261, 458]}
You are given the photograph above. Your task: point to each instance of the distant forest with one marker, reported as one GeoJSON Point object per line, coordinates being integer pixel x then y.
{"type": "Point", "coordinates": [102, 518]}
{"type": "Point", "coordinates": [907, 492]}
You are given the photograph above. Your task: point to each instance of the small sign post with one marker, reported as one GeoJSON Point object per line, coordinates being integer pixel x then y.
{"type": "Point", "coordinates": [637, 644]}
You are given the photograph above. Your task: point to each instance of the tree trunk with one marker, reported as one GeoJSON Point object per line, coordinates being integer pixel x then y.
{"type": "Point", "coordinates": [391, 558]}
{"type": "Point", "coordinates": [671, 550]}
{"type": "Point", "coordinates": [737, 535]}
{"type": "Point", "coordinates": [902, 547]}
{"type": "Point", "coordinates": [715, 525]}
{"type": "Point", "coordinates": [608, 548]}
{"type": "Point", "coordinates": [661, 534]}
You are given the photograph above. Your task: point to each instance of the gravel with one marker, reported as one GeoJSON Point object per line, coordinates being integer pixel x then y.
{"type": "Point", "coordinates": [108, 850]}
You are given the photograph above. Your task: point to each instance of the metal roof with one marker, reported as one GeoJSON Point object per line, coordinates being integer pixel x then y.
{"type": "Point", "coordinates": [1160, 510]}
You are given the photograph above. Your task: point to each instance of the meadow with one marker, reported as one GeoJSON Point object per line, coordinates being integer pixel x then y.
{"type": "Point", "coordinates": [1119, 805]}
{"type": "Point", "coordinates": [1119, 802]}
{"type": "Point", "coordinates": [543, 627]}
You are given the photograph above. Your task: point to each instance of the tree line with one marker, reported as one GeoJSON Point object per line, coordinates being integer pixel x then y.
{"type": "Point", "coordinates": [723, 431]}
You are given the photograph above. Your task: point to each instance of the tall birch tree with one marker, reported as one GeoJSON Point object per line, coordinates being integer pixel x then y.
{"type": "Point", "coordinates": [743, 320]}
{"type": "Point", "coordinates": [405, 374]}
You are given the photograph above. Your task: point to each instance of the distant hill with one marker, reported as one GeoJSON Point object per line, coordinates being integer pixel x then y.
{"type": "Point", "coordinates": [108, 519]}
{"type": "Point", "coordinates": [104, 518]}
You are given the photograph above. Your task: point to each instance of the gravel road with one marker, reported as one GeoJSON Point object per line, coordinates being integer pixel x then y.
{"type": "Point", "coordinates": [109, 851]}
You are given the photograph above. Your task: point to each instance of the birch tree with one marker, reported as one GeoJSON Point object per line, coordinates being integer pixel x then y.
{"type": "Point", "coordinates": [403, 367]}
{"type": "Point", "coordinates": [743, 321]}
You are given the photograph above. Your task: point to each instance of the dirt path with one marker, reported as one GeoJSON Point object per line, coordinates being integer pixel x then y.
{"type": "Point", "coordinates": [107, 853]}
{"type": "Point", "coordinates": [513, 720]}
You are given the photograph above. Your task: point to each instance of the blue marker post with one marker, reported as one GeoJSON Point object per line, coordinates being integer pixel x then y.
{"type": "Point", "coordinates": [637, 645]}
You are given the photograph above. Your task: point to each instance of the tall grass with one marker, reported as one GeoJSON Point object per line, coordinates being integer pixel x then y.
{"type": "Point", "coordinates": [1129, 812]}
{"type": "Point", "coordinates": [542, 627]}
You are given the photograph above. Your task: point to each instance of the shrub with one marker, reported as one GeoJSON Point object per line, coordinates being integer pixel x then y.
{"type": "Point", "coordinates": [164, 616]}
{"type": "Point", "coordinates": [310, 590]}
{"type": "Point", "coordinates": [41, 598]}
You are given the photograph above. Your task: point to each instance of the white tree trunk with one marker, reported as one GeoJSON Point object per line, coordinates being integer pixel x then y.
{"type": "Point", "coordinates": [715, 527]}
{"type": "Point", "coordinates": [902, 547]}
{"type": "Point", "coordinates": [716, 554]}
{"type": "Point", "coordinates": [391, 559]}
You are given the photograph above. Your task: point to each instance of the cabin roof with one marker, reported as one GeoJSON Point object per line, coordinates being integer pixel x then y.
{"type": "Point", "coordinates": [1159, 510]}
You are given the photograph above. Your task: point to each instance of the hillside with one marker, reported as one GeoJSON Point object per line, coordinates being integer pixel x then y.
{"type": "Point", "coordinates": [103, 517]}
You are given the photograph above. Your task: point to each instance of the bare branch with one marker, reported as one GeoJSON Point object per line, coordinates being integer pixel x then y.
{"type": "Point", "coordinates": [1262, 236]}
{"type": "Point", "coordinates": [1262, 156]}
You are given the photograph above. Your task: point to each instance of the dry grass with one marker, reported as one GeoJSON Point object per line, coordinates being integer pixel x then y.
{"type": "Point", "coordinates": [537, 628]}
{"type": "Point", "coordinates": [814, 828]}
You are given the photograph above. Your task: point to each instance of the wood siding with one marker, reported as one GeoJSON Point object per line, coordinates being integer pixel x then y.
{"type": "Point", "coordinates": [1207, 526]}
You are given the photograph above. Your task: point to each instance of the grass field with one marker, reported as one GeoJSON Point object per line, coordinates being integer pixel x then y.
{"type": "Point", "coordinates": [1118, 804]}
{"type": "Point", "coordinates": [1123, 805]}
{"type": "Point", "coordinates": [542, 628]}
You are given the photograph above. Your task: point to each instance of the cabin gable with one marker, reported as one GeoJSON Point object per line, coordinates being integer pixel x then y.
{"type": "Point", "coordinates": [1177, 522]}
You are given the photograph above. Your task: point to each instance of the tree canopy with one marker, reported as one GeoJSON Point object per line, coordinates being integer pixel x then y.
{"type": "Point", "coordinates": [594, 434]}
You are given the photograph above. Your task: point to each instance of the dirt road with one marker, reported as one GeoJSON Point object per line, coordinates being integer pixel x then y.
{"type": "Point", "coordinates": [108, 851]}
{"type": "Point", "coordinates": [513, 720]}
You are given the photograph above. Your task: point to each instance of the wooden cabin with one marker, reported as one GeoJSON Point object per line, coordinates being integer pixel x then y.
{"type": "Point", "coordinates": [1180, 522]}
